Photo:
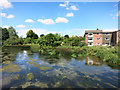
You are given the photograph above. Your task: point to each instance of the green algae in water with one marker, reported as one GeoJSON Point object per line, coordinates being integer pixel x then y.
{"type": "Point", "coordinates": [29, 76]}
{"type": "Point", "coordinates": [30, 62]}
{"type": "Point", "coordinates": [7, 62]}
{"type": "Point", "coordinates": [40, 84]}
{"type": "Point", "coordinates": [32, 59]}
{"type": "Point", "coordinates": [26, 85]}
{"type": "Point", "coordinates": [11, 68]}
{"type": "Point", "coordinates": [16, 76]}
{"type": "Point", "coordinates": [36, 65]}
{"type": "Point", "coordinates": [57, 84]}
{"type": "Point", "coordinates": [45, 68]}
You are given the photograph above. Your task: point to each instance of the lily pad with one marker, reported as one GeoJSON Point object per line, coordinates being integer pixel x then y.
{"type": "Point", "coordinates": [30, 62]}
{"type": "Point", "coordinates": [7, 62]}
{"type": "Point", "coordinates": [36, 65]}
{"type": "Point", "coordinates": [16, 76]}
{"type": "Point", "coordinates": [11, 68]}
{"type": "Point", "coordinates": [29, 76]}
{"type": "Point", "coordinates": [26, 84]}
{"type": "Point", "coordinates": [45, 68]}
{"type": "Point", "coordinates": [40, 84]}
{"type": "Point", "coordinates": [32, 59]}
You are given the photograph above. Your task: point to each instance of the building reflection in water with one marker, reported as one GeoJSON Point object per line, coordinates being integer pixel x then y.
{"type": "Point", "coordinates": [91, 62]}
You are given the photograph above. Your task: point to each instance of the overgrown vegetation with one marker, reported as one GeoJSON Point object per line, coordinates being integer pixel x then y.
{"type": "Point", "coordinates": [55, 45]}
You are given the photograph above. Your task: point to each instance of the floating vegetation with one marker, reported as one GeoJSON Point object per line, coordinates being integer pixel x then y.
{"type": "Point", "coordinates": [7, 62]}
{"type": "Point", "coordinates": [30, 62]}
{"type": "Point", "coordinates": [26, 85]}
{"type": "Point", "coordinates": [16, 76]}
{"type": "Point", "coordinates": [57, 84]}
{"type": "Point", "coordinates": [36, 84]}
{"type": "Point", "coordinates": [29, 76]}
{"type": "Point", "coordinates": [11, 68]}
{"type": "Point", "coordinates": [32, 59]}
{"type": "Point", "coordinates": [36, 65]}
{"type": "Point", "coordinates": [45, 68]}
{"type": "Point", "coordinates": [40, 84]}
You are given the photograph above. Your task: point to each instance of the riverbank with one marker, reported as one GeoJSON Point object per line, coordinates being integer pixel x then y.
{"type": "Point", "coordinates": [105, 54]}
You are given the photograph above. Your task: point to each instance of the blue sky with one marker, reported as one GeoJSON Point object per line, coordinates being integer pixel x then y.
{"type": "Point", "coordinates": [71, 18]}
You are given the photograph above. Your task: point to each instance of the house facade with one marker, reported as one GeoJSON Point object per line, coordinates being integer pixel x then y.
{"type": "Point", "coordinates": [101, 38]}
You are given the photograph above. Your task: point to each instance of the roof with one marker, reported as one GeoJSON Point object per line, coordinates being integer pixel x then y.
{"type": "Point", "coordinates": [108, 31]}
{"type": "Point", "coordinates": [93, 31]}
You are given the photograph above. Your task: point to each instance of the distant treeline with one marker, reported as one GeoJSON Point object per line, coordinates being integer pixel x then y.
{"type": "Point", "coordinates": [10, 37]}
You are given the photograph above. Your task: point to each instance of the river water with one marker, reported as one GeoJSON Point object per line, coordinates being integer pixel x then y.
{"type": "Point", "coordinates": [21, 68]}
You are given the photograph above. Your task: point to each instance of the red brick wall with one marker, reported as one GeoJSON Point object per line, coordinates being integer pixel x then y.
{"type": "Point", "coordinates": [95, 41]}
{"type": "Point", "coordinates": [86, 38]}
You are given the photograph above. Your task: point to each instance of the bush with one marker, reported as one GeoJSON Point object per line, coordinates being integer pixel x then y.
{"type": "Point", "coordinates": [13, 40]}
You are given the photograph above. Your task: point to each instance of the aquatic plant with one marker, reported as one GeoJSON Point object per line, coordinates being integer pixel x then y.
{"type": "Point", "coordinates": [30, 62]}
{"type": "Point", "coordinates": [29, 76]}
{"type": "Point", "coordinates": [11, 68]}
{"type": "Point", "coordinates": [45, 68]}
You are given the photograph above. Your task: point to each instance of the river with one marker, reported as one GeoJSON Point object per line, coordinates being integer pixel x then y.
{"type": "Point", "coordinates": [21, 68]}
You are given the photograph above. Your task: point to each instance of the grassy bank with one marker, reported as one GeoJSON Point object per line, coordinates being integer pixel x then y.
{"type": "Point", "coordinates": [106, 54]}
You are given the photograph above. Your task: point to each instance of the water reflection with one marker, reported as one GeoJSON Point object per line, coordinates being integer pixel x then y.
{"type": "Point", "coordinates": [89, 61]}
{"type": "Point", "coordinates": [33, 70]}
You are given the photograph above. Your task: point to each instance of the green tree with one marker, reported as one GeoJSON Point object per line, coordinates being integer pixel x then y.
{"type": "Point", "coordinates": [35, 36]}
{"type": "Point", "coordinates": [5, 34]}
{"type": "Point", "coordinates": [27, 40]}
{"type": "Point", "coordinates": [42, 35]}
{"type": "Point", "coordinates": [66, 36]}
{"type": "Point", "coordinates": [13, 40]}
{"type": "Point", "coordinates": [12, 31]}
{"type": "Point", "coordinates": [31, 34]}
{"type": "Point", "coordinates": [50, 40]}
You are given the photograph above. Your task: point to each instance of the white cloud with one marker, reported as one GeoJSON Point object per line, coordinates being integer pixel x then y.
{"type": "Point", "coordinates": [46, 21]}
{"type": "Point", "coordinates": [20, 26]}
{"type": "Point", "coordinates": [37, 31]}
{"type": "Point", "coordinates": [5, 4]}
{"type": "Point", "coordinates": [67, 8]}
{"type": "Point", "coordinates": [3, 14]}
{"type": "Point", "coordinates": [70, 14]}
{"type": "Point", "coordinates": [10, 16]}
{"type": "Point", "coordinates": [74, 7]}
{"type": "Point", "coordinates": [61, 20]}
{"type": "Point", "coordinates": [62, 5]}
{"type": "Point", "coordinates": [5, 26]}
{"type": "Point", "coordinates": [65, 4]}
{"type": "Point", "coordinates": [29, 21]}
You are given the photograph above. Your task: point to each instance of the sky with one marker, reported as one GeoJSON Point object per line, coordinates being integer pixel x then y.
{"type": "Point", "coordinates": [71, 18]}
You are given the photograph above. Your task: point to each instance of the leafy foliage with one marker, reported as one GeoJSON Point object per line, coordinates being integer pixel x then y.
{"type": "Point", "coordinates": [13, 40]}
{"type": "Point", "coordinates": [31, 34]}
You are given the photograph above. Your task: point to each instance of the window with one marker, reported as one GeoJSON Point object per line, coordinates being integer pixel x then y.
{"type": "Point", "coordinates": [90, 38]}
{"type": "Point", "coordinates": [106, 38]}
{"type": "Point", "coordinates": [107, 33]}
{"type": "Point", "coordinates": [106, 43]}
{"type": "Point", "coordinates": [98, 38]}
{"type": "Point", "coordinates": [90, 44]}
{"type": "Point", "coordinates": [98, 33]}
{"type": "Point", "coordinates": [98, 43]}
{"type": "Point", "coordinates": [90, 33]}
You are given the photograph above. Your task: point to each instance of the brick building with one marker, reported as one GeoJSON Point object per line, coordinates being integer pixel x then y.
{"type": "Point", "coordinates": [99, 37]}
